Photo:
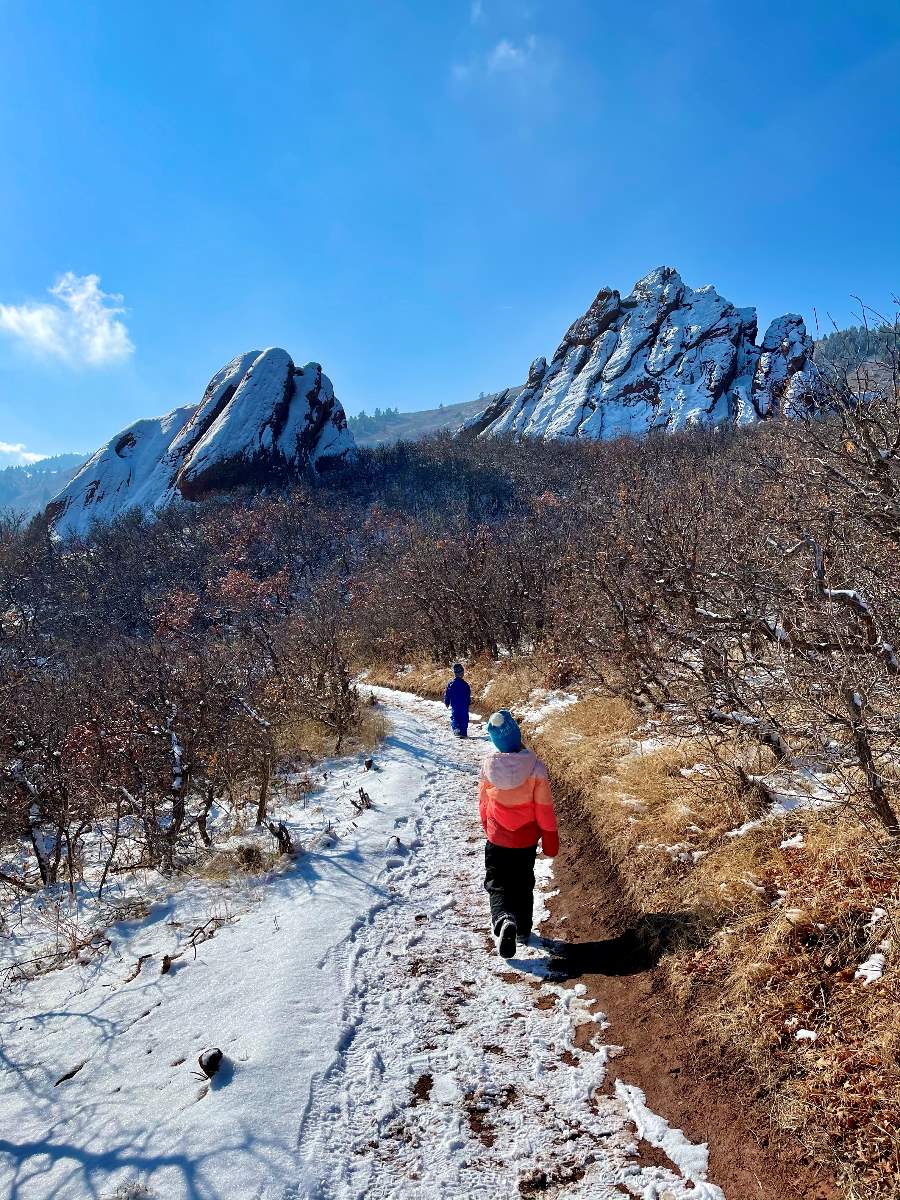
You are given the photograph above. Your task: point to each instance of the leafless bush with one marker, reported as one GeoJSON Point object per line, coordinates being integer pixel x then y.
{"type": "Point", "coordinates": [159, 672]}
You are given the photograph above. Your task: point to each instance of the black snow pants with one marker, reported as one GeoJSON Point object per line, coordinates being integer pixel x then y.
{"type": "Point", "coordinates": [509, 883]}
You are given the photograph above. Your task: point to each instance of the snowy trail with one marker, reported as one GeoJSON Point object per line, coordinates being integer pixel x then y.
{"type": "Point", "coordinates": [377, 1047]}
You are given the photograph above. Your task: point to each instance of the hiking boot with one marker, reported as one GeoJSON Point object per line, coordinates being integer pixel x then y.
{"type": "Point", "coordinates": [523, 938]}
{"type": "Point", "coordinates": [506, 938]}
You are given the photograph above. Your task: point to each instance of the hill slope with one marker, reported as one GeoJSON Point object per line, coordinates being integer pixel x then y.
{"type": "Point", "coordinates": [392, 426]}
{"type": "Point", "coordinates": [26, 490]}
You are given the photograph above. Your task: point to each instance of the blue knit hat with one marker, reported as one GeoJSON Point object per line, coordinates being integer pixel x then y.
{"type": "Point", "coordinates": [459, 670]}
{"type": "Point", "coordinates": [504, 732]}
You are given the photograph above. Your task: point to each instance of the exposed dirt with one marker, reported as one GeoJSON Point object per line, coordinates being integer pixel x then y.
{"type": "Point", "coordinates": [479, 1123]}
{"type": "Point", "coordinates": [422, 1088]}
{"type": "Point", "coordinates": [749, 1159]}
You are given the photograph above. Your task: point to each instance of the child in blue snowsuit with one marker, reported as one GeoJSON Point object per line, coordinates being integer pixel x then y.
{"type": "Point", "coordinates": [457, 698]}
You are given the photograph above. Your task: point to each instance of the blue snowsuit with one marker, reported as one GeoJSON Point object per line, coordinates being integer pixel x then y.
{"type": "Point", "coordinates": [457, 698]}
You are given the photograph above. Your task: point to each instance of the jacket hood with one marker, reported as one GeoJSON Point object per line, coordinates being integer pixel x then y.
{"type": "Point", "coordinates": [507, 771]}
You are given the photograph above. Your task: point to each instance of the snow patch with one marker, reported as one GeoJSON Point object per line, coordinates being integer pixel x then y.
{"type": "Point", "coordinates": [691, 1159]}
{"type": "Point", "coordinates": [542, 704]}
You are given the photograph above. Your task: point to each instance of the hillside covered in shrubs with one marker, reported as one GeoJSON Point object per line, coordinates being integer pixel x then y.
{"type": "Point", "coordinates": [735, 589]}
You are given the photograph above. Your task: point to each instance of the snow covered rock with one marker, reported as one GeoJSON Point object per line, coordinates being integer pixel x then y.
{"type": "Point", "coordinates": [261, 420]}
{"type": "Point", "coordinates": [784, 378]}
{"type": "Point", "coordinates": [664, 357]}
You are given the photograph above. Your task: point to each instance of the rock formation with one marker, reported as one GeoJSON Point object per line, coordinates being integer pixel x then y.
{"type": "Point", "coordinates": [261, 421]}
{"type": "Point", "coordinates": [664, 357]}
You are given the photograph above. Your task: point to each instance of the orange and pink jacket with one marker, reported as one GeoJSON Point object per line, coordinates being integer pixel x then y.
{"type": "Point", "coordinates": [516, 802]}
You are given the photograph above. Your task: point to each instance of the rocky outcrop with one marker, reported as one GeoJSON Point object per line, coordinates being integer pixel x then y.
{"type": "Point", "coordinates": [261, 421]}
{"type": "Point", "coordinates": [784, 379]}
{"type": "Point", "coordinates": [664, 357]}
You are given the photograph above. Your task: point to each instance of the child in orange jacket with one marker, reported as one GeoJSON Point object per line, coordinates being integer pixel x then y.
{"type": "Point", "coordinates": [517, 812]}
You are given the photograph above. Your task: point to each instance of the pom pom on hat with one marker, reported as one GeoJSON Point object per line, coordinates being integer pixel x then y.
{"type": "Point", "coordinates": [504, 732]}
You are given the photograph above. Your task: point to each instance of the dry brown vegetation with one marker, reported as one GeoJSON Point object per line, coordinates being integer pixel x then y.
{"type": "Point", "coordinates": [154, 677]}
{"type": "Point", "coordinates": [732, 594]}
{"type": "Point", "coordinates": [761, 941]}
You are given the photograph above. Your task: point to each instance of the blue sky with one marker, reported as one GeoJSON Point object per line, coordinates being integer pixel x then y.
{"type": "Point", "coordinates": [420, 196]}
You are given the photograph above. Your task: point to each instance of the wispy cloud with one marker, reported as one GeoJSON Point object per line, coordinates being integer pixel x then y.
{"type": "Point", "coordinates": [82, 324]}
{"type": "Point", "coordinates": [522, 63]}
{"type": "Point", "coordinates": [476, 11]}
{"type": "Point", "coordinates": [509, 56]}
{"type": "Point", "coordinates": [14, 454]}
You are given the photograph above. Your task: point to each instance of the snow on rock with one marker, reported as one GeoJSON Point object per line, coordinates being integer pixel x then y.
{"type": "Point", "coordinates": [784, 379]}
{"type": "Point", "coordinates": [130, 471]}
{"type": "Point", "coordinates": [372, 1042]}
{"type": "Point", "coordinates": [261, 420]}
{"type": "Point", "coordinates": [664, 357]}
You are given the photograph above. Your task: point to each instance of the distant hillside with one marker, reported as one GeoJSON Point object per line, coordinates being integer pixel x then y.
{"type": "Point", "coordinates": [26, 490]}
{"type": "Point", "coordinates": [848, 349]}
{"type": "Point", "coordinates": [869, 357]}
{"type": "Point", "coordinates": [374, 429]}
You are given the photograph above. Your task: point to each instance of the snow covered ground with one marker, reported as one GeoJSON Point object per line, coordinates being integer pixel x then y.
{"type": "Point", "coordinates": [375, 1045]}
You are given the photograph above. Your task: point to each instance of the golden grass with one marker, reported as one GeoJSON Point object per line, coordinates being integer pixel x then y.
{"type": "Point", "coordinates": [303, 738]}
{"type": "Point", "coordinates": [246, 859]}
{"type": "Point", "coordinates": [491, 683]}
{"type": "Point", "coordinates": [372, 729]}
{"type": "Point", "coordinates": [777, 935]}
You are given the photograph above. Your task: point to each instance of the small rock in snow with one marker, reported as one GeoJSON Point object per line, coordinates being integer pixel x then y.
{"type": "Point", "coordinates": [210, 1061]}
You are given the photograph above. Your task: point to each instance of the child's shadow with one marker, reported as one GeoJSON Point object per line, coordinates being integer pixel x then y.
{"type": "Point", "coordinates": [638, 949]}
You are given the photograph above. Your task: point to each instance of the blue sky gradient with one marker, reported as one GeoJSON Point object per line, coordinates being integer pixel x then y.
{"type": "Point", "coordinates": [421, 196]}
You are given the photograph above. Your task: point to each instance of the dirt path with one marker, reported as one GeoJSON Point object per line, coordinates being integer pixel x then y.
{"type": "Point", "coordinates": [660, 1053]}
{"type": "Point", "coordinates": [459, 1074]}
{"type": "Point", "coordinates": [376, 1046]}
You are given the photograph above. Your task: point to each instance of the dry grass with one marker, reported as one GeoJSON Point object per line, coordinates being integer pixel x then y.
{"type": "Point", "coordinates": [777, 934]}
{"type": "Point", "coordinates": [245, 859]}
{"type": "Point", "coordinates": [494, 685]}
{"type": "Point", "coordinates": [307, 740]}
{"type": "Point", "coordinates": [372, 729]}
{"type": "Point", "coordinates": [430, 679]}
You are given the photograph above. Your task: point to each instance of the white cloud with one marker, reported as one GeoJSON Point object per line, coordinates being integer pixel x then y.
{"type": "Point", "coordinates": [476, 11]}
{"type": "Point", "coordinates": [17, 455]}
{"type": "Point", "coordinates": [81, 325]}
{"type": "Point", "coordinates": [507, 56]}
{"type": "Point", "coordinates": [527, 61]}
